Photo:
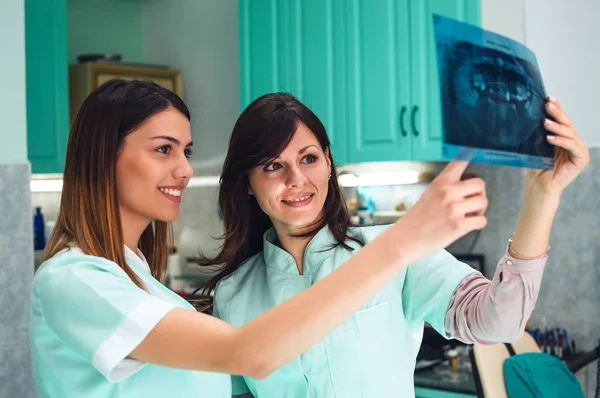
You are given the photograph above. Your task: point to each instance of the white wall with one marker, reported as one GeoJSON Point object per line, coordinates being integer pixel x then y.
{"type": "Point", "coordinates": [505, 17]}
{"type": "Point", "coordinates": [13, 128]}
{"type": "Point", "coordinates": [564, 35]}
{"type": "Point", "coordinates": [200, 37]}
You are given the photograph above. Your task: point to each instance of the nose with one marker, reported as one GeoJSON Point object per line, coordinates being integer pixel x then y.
{"type": "Point", "coordinates": [295, 178]}
{"type": "Point", "coordinates": [184, 169]}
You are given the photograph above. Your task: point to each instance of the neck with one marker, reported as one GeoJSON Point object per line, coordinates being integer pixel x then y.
{"type": "Point", "coordinates": [132, 227]}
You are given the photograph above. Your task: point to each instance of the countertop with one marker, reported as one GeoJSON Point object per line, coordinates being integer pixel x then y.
{"type": "Point", "coordinates": [442, 378]}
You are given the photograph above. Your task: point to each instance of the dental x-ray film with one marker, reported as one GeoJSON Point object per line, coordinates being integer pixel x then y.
{"type": "Point", "coordinates": [492, 98]}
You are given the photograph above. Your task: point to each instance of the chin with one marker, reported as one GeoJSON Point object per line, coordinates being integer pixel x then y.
{"type": "Point", "coordinates": [303, 222]}
{"type": "Point", "coordinates": [168, 217]}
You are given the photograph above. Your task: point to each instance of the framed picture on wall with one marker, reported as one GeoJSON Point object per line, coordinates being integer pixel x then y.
{"type": "Point", "coordinates": [86, 77]}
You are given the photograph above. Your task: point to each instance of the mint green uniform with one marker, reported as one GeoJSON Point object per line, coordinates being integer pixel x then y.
{"type": "Point", "coordinates": [86, 318]}
{"type": "Point", "coordinates": [373, 353]}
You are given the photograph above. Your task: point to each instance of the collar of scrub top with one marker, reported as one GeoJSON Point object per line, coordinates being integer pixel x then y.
{"type": "Point", "coordinates": [136, 257]}
{"type": "Point", "coordinates": [138, 261]}
{"type": "Point", "coordinates": [316, 252]}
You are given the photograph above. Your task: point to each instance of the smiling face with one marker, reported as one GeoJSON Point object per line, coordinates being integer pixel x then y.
{"type": "Point", "coordinates": [153, 169]}
{"type": "Point", "coordinates": [292, 188]}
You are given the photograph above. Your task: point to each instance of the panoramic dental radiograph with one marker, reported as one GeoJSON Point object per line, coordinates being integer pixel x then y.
{"type": "Point", "coordinates": [498, 101]}
{"type": "Point", "coordinates": [492, 97]}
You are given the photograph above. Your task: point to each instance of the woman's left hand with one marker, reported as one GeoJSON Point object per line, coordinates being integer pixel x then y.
{"type": "Point", "coordinates": [571, 155]}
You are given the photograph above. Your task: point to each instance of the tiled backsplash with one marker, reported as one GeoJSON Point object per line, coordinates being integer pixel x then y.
{"type": "Point", "coordinates": [16, 271]}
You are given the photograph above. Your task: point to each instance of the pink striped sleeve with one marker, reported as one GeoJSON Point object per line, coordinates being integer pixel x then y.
{"type": "Point", "coordinates": [488, 312]}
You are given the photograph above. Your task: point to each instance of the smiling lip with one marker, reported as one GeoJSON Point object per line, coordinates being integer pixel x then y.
{"type": "Point", "coordinates": [173, 193]}
{"type": "Point", "coordinates": [299, 201]}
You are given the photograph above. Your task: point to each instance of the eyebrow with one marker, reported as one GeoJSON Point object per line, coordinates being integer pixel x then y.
{"type": "Point", "coordinates": [171, 139]}
{"type": "Point", "coordinates": [301, 151]}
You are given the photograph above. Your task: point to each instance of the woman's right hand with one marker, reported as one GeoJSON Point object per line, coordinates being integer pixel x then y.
{"type": "Point", "coordinates": [447, 210]}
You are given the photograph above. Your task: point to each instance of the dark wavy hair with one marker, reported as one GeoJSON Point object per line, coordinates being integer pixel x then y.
{"type": "Point", "coordinates": [261, 133]}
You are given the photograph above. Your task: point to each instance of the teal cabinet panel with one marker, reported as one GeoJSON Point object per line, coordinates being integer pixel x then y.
{"type": "Point", "coordinates": [367, 69]}
{"type": "Point", "coordinates": [297, 47]}
{"type": "Point", "coordinates": [47, 92]}
{"type": "Point", "coordinates": [318, 66]}
{"type": "Point", "coordinates": [261, 48]}
{"type": "Point", "coordinates": [378, 54]}
{"type": "Point", "coordinates": [425, 113]}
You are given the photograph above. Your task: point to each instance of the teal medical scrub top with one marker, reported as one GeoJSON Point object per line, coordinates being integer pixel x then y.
{"type": "Point", "coordinates": [87, 316]}
{"type": "Point", "coordinates": [373, 353]}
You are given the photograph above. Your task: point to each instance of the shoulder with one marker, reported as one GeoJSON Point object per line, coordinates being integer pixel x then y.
{"type": "Point", "coordinates": [440, 265]}
{"type": "Point", "coordinates": [439, 258]}
{"type": "Point", "coordinates": [367, 234]}
{"type": "Point", "coordinates": [71, 268]}
{"type": "Point", "coordinates": [232, 283]}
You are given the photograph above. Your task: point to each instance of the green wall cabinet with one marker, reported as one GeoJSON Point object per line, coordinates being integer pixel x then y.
{"type": "Point", "coordinates": [367, 69]}
{"type": "Point", "coordinates": [378, 55]}
{"type": "Point", "coordinates": [46, 63]}
{"type": "Point", "coordinates": [296, 47]}
{"type": "Point", "coordinates": [425, 118]}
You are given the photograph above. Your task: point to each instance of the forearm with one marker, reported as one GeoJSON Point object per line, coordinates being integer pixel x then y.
{"type": "Point", "coordinates": [532, 233]}
{"type": "Point", "coordinates": [189, 340]}
{"type": "Point", "coordinates": [281, 334]}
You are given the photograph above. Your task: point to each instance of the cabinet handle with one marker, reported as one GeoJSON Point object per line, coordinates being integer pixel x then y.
{"type": "Point", "coordinates": [402, 113]}
{"type": "Point", "coordinates": [413, 122]}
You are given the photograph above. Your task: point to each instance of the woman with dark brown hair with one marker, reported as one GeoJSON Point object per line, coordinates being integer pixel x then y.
{"type": "Point", "coordinates": [102, 324]}
{"type": "Point", "coordinates": [287, 228]}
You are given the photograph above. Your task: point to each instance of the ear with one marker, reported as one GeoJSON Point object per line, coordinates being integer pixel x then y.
{"type": "Point", "coordinates": [250, 191]}
{"type": "Point", "coordinates": [328, 159]}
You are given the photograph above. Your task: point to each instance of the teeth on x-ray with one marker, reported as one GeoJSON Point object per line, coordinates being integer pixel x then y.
{"type": "Point", "coordinates": [492, 97]}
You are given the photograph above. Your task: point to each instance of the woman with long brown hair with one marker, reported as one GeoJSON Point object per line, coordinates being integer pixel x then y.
{"type": "Point", "coordinates": [287, 228]}
{"type": "Point", "coordinates": [103, 325]}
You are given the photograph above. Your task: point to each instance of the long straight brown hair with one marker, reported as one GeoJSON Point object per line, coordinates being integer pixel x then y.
{"type": "Point", "coordinates": [89, 208]}
{"type": "Point", "coordinates": [261, 133]}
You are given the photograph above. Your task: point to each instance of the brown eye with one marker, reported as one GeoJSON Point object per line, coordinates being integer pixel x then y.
{"type": "Point", "coordinates": [310, 159]}
{"type": "Point", "coordinates": [272, 167]}
{"type": "Point", "coordinates": [165, 149]}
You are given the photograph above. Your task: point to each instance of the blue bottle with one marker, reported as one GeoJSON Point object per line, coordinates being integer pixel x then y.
{"type": "Point", "coordinates": [39, 237]}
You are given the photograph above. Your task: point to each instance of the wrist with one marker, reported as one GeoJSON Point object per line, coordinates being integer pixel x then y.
{"type": "Point", "coordinates": [401, 242]}
{"type": "Point", "coordinates": [541, 199]}
{"type": "Point", "coordinates": [540, 193]}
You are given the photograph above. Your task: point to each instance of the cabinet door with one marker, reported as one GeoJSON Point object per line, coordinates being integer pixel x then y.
{"type": "Point", "coordinates": [47, 84]}
{"type": "Point", "coordinates": [263, 36]}
{"type": "Point", "coordinates": [316, 68]}
{"type": "Point", "coordinates": [378, 59]}
{"type": "Point", "coordinates": [425, 119]}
